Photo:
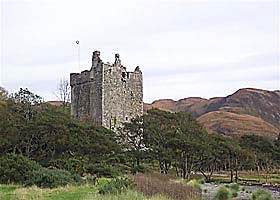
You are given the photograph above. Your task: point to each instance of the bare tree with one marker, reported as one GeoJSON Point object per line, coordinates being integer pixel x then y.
{"type": "Point", "coordinates": [3, 93]}
{"type": "Point", "coordinates": [64, 92]}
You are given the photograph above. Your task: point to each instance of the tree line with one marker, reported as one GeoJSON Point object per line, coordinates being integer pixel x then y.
{"type": "Point", "coordinates": [173, 142]}
{"type": "Point", "coordinates": [178, 141]}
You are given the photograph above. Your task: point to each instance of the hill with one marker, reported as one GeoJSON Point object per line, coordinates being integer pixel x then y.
{"type": "Point", "coordinates": [247, 111]}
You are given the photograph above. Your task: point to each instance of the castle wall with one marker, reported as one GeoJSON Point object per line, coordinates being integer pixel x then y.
{"type": "Point", "coordinates": [80, 92]}
{"type": "Point", "coordinates": [86, 95]}
{"type": "Point", "coordinates": [96, 92]}
{"type": "Point", "coordinates": [123, 96]}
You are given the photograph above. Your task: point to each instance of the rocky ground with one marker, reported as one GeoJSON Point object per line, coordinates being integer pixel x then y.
{"type": "Point", "coordinates": [245, 192]}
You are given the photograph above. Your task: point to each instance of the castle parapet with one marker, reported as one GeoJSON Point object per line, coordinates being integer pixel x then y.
{"type": "Point", "coordinates": [79, 78]}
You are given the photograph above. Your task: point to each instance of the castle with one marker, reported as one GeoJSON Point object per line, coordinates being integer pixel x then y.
{"type": "Point", "coordinates": [106, 95]}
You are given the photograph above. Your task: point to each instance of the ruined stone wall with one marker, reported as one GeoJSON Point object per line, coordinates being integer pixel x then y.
{"type": "Point", "coordinates": [86, 94]}
{"type": "Point", "coordinates": [107, 94]}
{"type": "Point", "coordinates": [80, 92]}
{"type": "Point", "coordinates": [95, 110]}
{"type": "Point", "coordinates": [134, 98]}
{"type": "Point", "coordinates": [123, 96]}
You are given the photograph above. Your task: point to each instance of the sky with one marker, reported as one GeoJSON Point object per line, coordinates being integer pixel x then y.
{"type": "Point", "coordinates": [185, 48]}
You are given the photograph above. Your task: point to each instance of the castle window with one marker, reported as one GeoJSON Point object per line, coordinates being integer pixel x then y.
{"type": "Point", "coordinates": [123, 74]}
{"type": "Point", "coordinates": [127, 74]}
{"type": "Point", "coordinates": [126, 118]}
{"type": "Point", "coordinates": [110, 70]}
{"type": "Point", "coordinates": [115, 121]}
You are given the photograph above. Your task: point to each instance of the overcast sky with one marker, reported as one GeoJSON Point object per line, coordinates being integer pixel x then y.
{"type": "Point", "coordinates": [184, 48]}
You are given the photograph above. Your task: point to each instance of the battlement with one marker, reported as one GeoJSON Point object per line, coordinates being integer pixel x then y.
{"type": "Point", "coordinates": [79, 78]}
{"type": "Point", "coordinates": [88, 76]}
{"type": "Point", "coordinates": [106, 94]}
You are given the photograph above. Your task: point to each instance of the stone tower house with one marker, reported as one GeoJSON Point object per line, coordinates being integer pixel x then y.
{"type": "Point", "coordinates": [107, 94]}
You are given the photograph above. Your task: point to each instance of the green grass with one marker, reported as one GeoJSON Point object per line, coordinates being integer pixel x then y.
{"type": "Point", "coordinates": [86, 192]}
{"type": "Point", "coordinates": [14, 192]}
{"type": "Point", "coordinates": [6, 191]}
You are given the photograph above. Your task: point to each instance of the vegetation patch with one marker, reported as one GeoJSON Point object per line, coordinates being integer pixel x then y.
{"type": "Point", "coordinates": [222, 194]}
{"type": "Point", "coordinates": [103, 170]}
{"type": "Point", "coordinates": [51, 178]}
{"type": "Point", "coordinates": [151, 185]}
{"type": "Point", "coordinates": [261, 195]}
{"type": "Point", "coordinates": [194, 184]}
{"type": "Point", "coordinates": [16, 168]}
{"type": "Point", "coordinates": [114, 186]}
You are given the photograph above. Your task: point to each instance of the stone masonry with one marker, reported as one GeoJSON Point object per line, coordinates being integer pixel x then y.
{"type": "Point", "coordinates": [106, 95]}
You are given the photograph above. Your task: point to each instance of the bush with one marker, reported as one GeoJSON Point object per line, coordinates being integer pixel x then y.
{"type": "Point", "coordinates": [51, 178]}
{"type": "Point", "coordinates": [222, 194]}
{"type": "Point", "coordinates": [234, 194]}
{"type": "Point", "coordinates": [103, 170]}
{"type": "Point", "coordinates": [234, 187]}
{"type": "Point", "coordinates": [73, 165]}
{"type": "Point", "coordinates": [91, 180]}
{"type": "Point", "coordinates": [114, 186]}
{"type": "Point", "coordinates": [201, 181]}
{"type": "Point", "coordinates": [261, 195]}
{"type": "Point", "coordinates": [16, 168]}
{"type": "Point", "coordinates": [194, 184]}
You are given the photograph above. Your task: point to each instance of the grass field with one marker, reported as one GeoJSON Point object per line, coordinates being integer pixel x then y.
{"type": "Point", "coordinates": [90, 192]}
{"type": "Point", "coordinates": [85, 192]}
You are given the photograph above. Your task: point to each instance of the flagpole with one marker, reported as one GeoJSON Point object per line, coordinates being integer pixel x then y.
{"type": "Point", "coordinates": [78, 43]}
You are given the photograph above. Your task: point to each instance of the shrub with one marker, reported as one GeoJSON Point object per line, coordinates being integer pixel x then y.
{"type": "Point", "coordinates": [234, 194]}
{"type": "Point", "coordinates": [51, 178]}
{"type": "Point", "coordinates": [234, 187]}
{"type": "Point", "coordinates": [103, 170]}
{"type": "Point", "coordinates": [261, 195]}
{"type": "Point", "coordinates": [91, 180]}
{"type": "Point", "coordinates": [222, 194]}
{"type": "Point", "coordinates": [194, 184]}
{"type": "Point", "coordinates": [201, 181]}
{"type": "Point", "coordinates": [114, 186]}
{"type": "Point", "coordinates": [16, 168]}
{"type": "Point", "coordinates": [73, 165]}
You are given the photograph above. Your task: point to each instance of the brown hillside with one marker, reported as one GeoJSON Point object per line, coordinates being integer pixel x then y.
{"type": "Point", "coordinates": [259, 106]}
{"type": "Point", "coordinates": [162, 104]}
{"type": "Point", "coordinates": [260, 103]}
{"type": "Point", "coordinates": [55, 103]}
{"type": "Point", "coordinates": [232, 124]}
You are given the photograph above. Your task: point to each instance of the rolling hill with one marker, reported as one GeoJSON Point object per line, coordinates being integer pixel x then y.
{"type": "Point", "coordinates": [247, 111]}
